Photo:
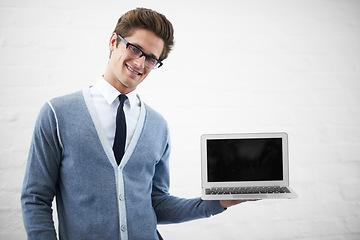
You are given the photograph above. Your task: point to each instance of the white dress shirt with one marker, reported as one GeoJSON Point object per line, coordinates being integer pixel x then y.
{"type": "Point", "coordinates": [106, 101]}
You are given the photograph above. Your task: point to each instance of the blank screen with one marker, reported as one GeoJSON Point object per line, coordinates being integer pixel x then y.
{"type": "Point", "coordinates": [232, 160]}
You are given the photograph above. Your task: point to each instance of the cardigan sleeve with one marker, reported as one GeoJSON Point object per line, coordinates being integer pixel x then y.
{"type": "Point", "coordinates": [39, 186]}
{"type": "Point", "coordinates": [171, 209]}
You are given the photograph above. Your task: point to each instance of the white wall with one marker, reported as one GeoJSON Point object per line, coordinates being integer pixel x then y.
{"type": "Point", "coordinates": [238, 66]}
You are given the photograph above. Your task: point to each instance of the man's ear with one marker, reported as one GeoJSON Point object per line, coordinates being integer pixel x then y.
{"type": "Point", "coordinates": [112, 42]}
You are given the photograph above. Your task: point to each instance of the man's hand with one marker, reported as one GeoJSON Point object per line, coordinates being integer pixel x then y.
{"type": "Point", "coordinates": [228, 203]}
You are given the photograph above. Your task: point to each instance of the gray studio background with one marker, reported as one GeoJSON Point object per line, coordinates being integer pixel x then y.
{"type": "Point", "coordinates": [237, 66]}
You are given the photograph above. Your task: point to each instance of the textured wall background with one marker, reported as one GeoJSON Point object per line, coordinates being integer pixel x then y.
{"type": "Point", "coordinates": [238, 66]}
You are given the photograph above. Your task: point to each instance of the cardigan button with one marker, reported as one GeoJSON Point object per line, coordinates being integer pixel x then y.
{"type": "Point", "coordinates": [123, 228]}
{"type": "Point", "coordinates": [121, 197]}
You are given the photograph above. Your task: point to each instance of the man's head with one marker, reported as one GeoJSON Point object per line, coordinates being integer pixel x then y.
{"type": "Point", "coordinates": [142, 37]}
{"type": "Point", "coordinates": [142, 18]}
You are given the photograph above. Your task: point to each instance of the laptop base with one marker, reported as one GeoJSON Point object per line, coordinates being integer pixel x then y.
{"type": "Point", "coordinates": [228, 196]}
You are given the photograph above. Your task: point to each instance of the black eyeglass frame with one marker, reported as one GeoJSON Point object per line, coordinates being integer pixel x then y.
{"type": "Point", "coordinates": [157, 65]}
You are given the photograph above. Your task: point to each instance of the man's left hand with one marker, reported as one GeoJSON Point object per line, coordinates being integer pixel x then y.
{"type": "Point", "coordinates": [228, 203]}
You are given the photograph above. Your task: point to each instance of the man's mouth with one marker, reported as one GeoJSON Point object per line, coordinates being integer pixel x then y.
{"type": "Point", "coordinates": [132, 70]}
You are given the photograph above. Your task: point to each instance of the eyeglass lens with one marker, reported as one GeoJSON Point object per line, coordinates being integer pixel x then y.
{"type": "Point", "coordinates": [135, 52]}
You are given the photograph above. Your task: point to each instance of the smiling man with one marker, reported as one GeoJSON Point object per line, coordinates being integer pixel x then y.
{"type": "Point", "coordinates": [104, 153]}
{"type": "Point", "coordinates": [129, 62]}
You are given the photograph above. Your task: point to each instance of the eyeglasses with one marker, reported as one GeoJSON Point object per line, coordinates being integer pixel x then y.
{"type": "Point", "coordinates": [136, 52]}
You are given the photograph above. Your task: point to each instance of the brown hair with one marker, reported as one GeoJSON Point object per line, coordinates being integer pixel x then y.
{"type": "Point", "coordinates": [142, 18]}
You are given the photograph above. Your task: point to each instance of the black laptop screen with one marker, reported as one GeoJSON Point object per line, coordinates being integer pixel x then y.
{"type": "Point", "coordinates": [232, 160]}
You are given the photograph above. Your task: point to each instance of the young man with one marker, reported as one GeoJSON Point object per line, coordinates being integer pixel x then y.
{"type": "Point", "coordinates": [110, 182]}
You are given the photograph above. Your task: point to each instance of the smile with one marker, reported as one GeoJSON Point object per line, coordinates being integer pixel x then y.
{"type": "Point", "coordinates": [132, 70]}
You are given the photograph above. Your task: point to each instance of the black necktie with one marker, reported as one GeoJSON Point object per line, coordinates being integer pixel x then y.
{"type": "Point", "coordinates": [120, 133]}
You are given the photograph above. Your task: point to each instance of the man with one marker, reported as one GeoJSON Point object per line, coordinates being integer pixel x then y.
{"type": "Point", "coordinates": [110, 176]}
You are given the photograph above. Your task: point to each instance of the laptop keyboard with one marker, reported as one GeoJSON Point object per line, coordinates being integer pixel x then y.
{"type": "Point", "coordinates": [246, 190]}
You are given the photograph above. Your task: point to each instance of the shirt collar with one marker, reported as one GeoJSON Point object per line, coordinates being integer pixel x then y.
{"type": "Point", "coordinates": [111, 94]}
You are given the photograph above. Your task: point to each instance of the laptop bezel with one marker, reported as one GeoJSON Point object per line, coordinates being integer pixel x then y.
{"type": "Point", "coordinates": [204, 174]}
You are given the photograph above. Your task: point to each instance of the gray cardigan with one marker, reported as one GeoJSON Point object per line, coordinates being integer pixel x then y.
{"type": "Point", "coordinates": [71, 159]}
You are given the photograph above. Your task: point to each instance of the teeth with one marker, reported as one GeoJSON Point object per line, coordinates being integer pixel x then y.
{"type": "Point", "coordinates": [132, 70]}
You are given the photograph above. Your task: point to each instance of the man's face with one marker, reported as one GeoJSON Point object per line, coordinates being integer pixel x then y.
{"type": "Point", "coordinates": [125, 72]}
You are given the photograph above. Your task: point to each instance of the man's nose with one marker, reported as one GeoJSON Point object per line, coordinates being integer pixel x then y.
{"type": "Point", "coordinates": [140, 62]}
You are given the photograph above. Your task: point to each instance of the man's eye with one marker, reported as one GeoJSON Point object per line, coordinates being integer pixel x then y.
{"type": "Point", "coordinates": [151, 60]}
{"type": "Point", "coordinates": [134, 49]}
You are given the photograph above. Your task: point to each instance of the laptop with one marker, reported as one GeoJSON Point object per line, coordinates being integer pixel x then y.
{"type": "Point", "coordinates": [245, 166]}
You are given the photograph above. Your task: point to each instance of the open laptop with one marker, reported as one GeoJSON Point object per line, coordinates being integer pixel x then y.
{"type": "Point", "coordinates": [245, 166]}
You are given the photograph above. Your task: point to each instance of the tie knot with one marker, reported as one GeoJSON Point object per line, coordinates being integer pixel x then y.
{"type": "Point", "coordinates": [122, 98]}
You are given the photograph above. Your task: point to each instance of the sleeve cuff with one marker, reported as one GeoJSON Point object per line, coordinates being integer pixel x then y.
{"type": "Point", "coordinates": [215, 207]}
